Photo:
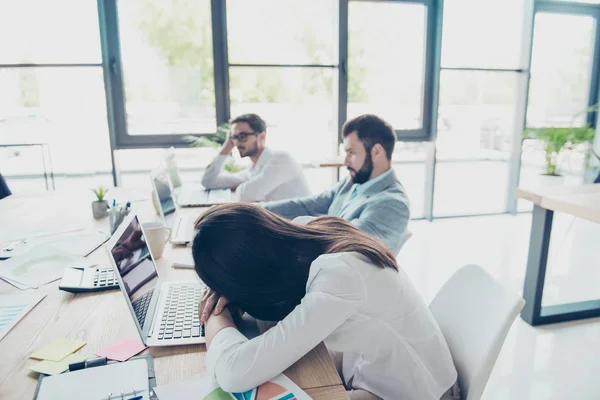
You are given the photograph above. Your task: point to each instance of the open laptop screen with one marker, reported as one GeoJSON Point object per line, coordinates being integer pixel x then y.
{"type": "Point", "coordinates": [163, 192]}
{"type": "Point", "coordinates": [136, 267]}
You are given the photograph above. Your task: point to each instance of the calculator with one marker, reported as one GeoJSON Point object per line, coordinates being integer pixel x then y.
{"type": "Point", "coordinates": [82, 280]}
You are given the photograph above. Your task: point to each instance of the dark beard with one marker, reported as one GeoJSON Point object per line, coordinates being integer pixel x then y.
{"type": "Point", "coordinates": [251, 152]}
{"type": "Point", "coordinates": [365, 171]}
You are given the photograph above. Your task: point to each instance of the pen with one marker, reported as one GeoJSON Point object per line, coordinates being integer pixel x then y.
{"type": "Point", "coordinates": [88, 364]}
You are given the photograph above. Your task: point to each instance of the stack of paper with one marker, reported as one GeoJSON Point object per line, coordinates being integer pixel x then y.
{"type": "Point", "coordinates": [14, 307]}
{"type": "Point", "coordinates": [57, 356]}
{"type": "Point", "coordinates": [38, 267]}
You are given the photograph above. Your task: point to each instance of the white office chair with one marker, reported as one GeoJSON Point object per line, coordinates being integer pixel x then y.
{"type": "Point", "coordinates": [475, 312]}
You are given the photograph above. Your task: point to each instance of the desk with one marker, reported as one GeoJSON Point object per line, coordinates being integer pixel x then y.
{"type": "Point", "coordinates": [102, 318]}
{"type": "Point", "coordinates": [582, 201]}
{"type": "Point", "coordinates": [44, 148]}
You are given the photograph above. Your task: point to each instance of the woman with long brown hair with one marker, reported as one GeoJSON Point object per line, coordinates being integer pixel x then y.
{"type": "Point", "coordinates": [325, 281]}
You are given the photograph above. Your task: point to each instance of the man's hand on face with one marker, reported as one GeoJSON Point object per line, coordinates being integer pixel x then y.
{"type": "Point", "coordinates": [228, 146]}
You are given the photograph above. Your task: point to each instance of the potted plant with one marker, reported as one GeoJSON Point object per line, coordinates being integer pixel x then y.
{"type": "Point", "coordinates": [556, 140]}
{"type": "Point", "coordinates": [100, 206]}
{"type": "Point", "coordinates": [215, 141]}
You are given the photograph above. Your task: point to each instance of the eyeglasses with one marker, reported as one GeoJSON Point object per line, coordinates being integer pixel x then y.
{"type": "Point", "coordinates": [242, 136]}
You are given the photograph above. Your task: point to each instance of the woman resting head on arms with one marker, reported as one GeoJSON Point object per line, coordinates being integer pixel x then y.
{"type": "Point", "coordinates": [325, 281]}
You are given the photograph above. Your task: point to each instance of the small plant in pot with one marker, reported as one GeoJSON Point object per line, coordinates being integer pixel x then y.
{"type": "Point", "coordinates": [100, 206]}
{"type": "Point", "coordinates": [556, 140]}
{"type": "Point", "coordinates": [215, 141]}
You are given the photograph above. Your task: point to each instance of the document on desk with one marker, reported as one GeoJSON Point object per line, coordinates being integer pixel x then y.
{"type": "Point", "coordinates": [79, 242]}
{"type": "Point", "coordinates": [14, 307]}
{"type": "Point", "coordinates": [204, 387]}
{"type": "Point", "coordinates": [36, 268]}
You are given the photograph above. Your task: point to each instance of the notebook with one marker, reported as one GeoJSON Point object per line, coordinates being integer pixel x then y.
{"type": "Point", "coordinates": [132, 378]}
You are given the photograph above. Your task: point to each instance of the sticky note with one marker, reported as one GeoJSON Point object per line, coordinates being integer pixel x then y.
{"type": "Point", "coordinates": [122, 350]}
{"type": "Point", "coordinates": [58, 349]}
{"type": "Point", "coordinates": [56, 367]}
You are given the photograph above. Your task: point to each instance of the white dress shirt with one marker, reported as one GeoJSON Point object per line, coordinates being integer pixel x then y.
{"type": "Point", "coordinates": [275, 176]}
{"type": "Point", "coordinates": [391, 345]}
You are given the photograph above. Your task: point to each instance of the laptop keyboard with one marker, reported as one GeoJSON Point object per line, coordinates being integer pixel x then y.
{"type": "Point", "coordinates": [180, 317]}
{"type": "Point", "coordinates": [140, 306]}
{"type": "Point", "coordinates": [104, 277]}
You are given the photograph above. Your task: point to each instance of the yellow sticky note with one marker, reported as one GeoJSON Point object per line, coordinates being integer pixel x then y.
{"type": "Point", "coordinates": [58, 349]}
{"type": "Point", "coordinates": [56, 367]}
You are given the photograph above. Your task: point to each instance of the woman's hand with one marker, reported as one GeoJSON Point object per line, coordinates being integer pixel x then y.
{"type": "Point", "coordinates": [211, 303]}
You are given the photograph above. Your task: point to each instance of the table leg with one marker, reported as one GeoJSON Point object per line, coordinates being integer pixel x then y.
{"type": "Point", "coordinates": [533, 312]}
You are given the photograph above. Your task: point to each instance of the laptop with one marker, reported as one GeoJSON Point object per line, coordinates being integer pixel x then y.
{"type": "Point", "coordinates": [192, 195]}
{"type": "Point", "coordinates": [165, 313]}
{"type": "Point", "coordinates": [182, 227]}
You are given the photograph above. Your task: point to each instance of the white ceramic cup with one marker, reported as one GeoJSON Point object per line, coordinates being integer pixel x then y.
{"type": "Point", "coordinates": [157, 235]}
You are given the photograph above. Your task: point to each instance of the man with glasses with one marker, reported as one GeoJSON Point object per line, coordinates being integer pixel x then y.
{"type": "Point", "coordinates": [274, 175]}
{"type": "Point", "coordinates": [371, 198]}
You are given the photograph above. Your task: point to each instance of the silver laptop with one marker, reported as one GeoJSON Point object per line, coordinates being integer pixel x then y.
{"type": "Point", "coordinates": [192, 195]}
{"type": "Point", "coordinates": [165, 313]}
{"type": "Point", "coordinates": [182, 227]}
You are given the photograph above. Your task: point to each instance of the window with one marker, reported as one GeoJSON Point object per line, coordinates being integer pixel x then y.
{"type": "Point", "coordinates": [41, 32]}
{"type": "Point", "coordinates": [167, 61]}
{"type": "Point", "coordinates": [282, 32]}
{"type": "Point", "coordinates": [297, 104]}
{"type": "Point", "coordinates": [52, 92]}
{"type": "Point", "coordinates": [286, 73]}
{"type": "Point", "coordinates": [483, 34]}
{"type": "Point", "coordinates": [476, 127]}
{"type": "Point", "coordinates": [561, 69]}
{"type": "Point", "coordinates": [386, 61]}
{"type": "Point", "coordinates": [559, 90]}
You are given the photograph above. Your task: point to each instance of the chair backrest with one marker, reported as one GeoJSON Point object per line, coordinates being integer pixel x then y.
{"type": "Point", "coordinates": [475, 313]}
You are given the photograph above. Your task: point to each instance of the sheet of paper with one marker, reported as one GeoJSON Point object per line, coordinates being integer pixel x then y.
{"type": "Point", "coordinates": [58, 349]}
{"type": "Point", "coordinates": [79, 242]}
{"type": "Point", "coordinates": [14, 307]}
{"type": "Point", "coordinates": [15, 284]}
{"type": "Point", "coordinates": [204, 387]}
{"type": "Point", "coordinates": [56, 367]}
{"type": "Point", "coordinates": [43, 265]}
{"type": "Point", "coordinates": [122, 350]}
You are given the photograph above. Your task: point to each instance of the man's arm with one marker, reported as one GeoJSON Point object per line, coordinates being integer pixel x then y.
{"type": "Point", "coordinates": [215, 178]}
{"type": "Point", "coordinates": [275, 173]}
{"type": "Point", "coordinates": [386, 220]}
{"type": "Point", "coordinates": [311, 205]}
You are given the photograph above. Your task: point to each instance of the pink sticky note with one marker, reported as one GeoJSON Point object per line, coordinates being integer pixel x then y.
{"type": "Point", "coordinates": [123, 350]}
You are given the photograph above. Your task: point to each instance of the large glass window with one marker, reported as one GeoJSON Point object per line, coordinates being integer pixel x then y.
{"type": "Point", "coordinates": [386, 61]}
{"type": "Point", "coordinates": [167, 58]}
{"type": "Point", "coordinates": [298, 105]}
{"type": "Point", "coordinates": [286, 73]}
{"type": "Point", "coordinates": [282, 32]}
{"type": "Point", "coordinates": [475, 134]}
{"type": "Point", "coordinates": [480, 81]}
{"type": "Point", "coordinates": [49, 32]}
{"type": "Point", "coordinates": [561, 69]}
{"type": "Point", "coordinates": [60, 106]}
{"type": "Point", "coordinates": [482, 34]}
{"type": "Point", "coordinates": [559, 89]}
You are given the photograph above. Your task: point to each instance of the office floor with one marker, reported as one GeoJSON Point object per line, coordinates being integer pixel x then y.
{"type": "Point", "coordinates": [558, 361]}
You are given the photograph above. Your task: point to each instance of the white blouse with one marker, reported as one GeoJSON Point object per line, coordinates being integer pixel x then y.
{"type": "Point", "coordinates": [391, 345]}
